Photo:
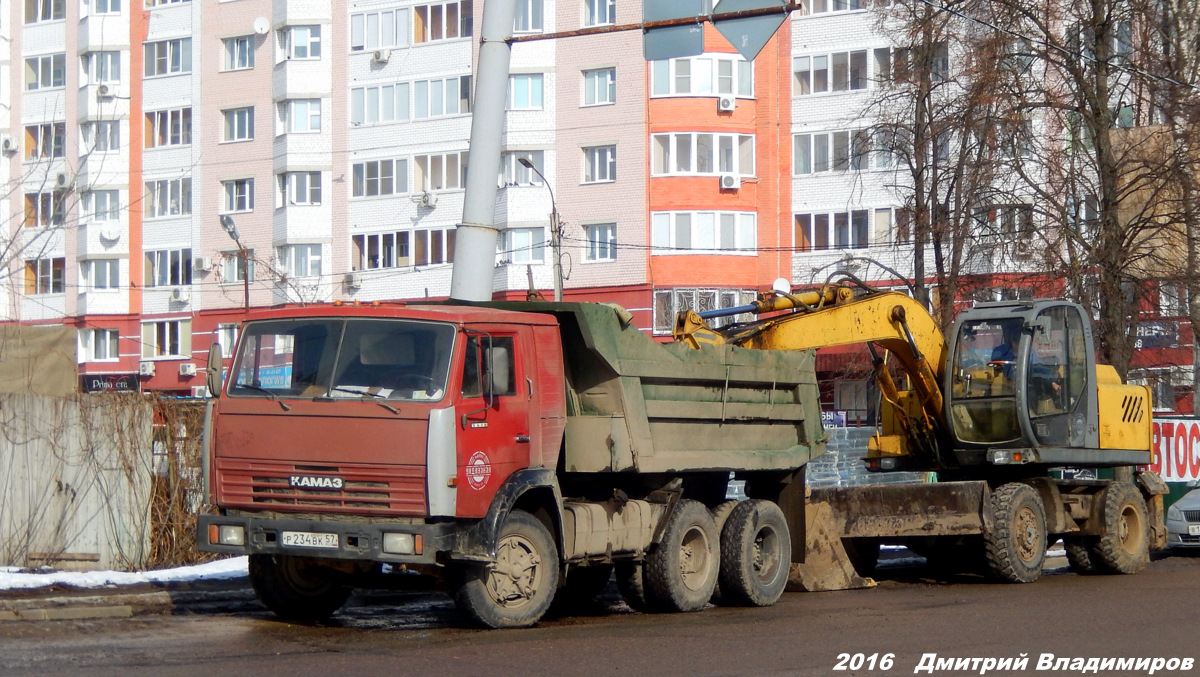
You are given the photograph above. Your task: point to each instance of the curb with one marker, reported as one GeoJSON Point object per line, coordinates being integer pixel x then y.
{"type": "Point", "coordinates": [59, 604]}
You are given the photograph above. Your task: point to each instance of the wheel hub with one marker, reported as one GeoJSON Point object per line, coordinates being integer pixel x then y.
{"type": "Point", "coordinates": [511, 580]}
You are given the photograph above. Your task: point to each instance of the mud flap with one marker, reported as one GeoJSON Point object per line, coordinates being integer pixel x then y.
{"type": "Point", "coordinates": [1153, 487]}
{"type": "Point", "coordinates": [826, 565]}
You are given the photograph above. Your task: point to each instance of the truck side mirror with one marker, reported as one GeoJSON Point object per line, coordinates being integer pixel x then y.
{"type": "Point", "coordinates": [216, 365]}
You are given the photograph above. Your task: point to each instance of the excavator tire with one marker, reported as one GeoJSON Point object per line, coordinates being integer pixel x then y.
{"type": "Point", "coordinates": [756, 554]}
{"type": "Point", "coordinates": [1124, 548]}
{"type": "Point", "coordinates": [294, 588]}
{"type": "Point", "coordinates": [1015, 548]}
{"type": "Point", "coordinates": [681, 571]}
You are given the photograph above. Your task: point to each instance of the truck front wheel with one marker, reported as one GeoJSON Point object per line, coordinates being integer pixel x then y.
{"type": "Point", "coordinates": [1015, 547]}
{"type": "Point", "coordinates": [517, 589]}
{"type": "Point", "coordinates": [681, 571]}
{"type": "Point", "coordinates": [756, 554]}
{"type": "Point", "coordinates": [296, 589]}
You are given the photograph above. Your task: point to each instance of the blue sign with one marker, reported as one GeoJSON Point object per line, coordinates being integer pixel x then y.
{"type": "Point", "coordinates": [833, 419]}
{"type": "Point", "coordinates": [275, 378]}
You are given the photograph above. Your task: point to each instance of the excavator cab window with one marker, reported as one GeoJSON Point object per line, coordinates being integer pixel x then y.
{"type": "Point", "coordinates": [1056, 375]}
{"type": "Point", "coordinates": [983, 397]}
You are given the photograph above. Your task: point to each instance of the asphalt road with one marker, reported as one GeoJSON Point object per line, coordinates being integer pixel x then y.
{"type": "Point", "coordinates": [1153, 614]}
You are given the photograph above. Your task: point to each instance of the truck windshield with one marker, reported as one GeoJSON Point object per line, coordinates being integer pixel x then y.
{"type": "Point", "coordinates": [344, 359]}
{"type": "Point", "coordinates": [983, 395]}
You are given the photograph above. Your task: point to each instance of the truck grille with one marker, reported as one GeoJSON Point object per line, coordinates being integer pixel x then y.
{"type": "Point", "coordinates": [1191, 515]}
{"type": "Point", "coordinates": [366, 490]}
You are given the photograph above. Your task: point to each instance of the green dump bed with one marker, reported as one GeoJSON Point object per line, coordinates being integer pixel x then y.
{"type": "Point", "coordinates": [634, 404]}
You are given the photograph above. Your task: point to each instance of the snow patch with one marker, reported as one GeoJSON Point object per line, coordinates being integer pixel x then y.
{"type": "Point", "coordinates": [12, 578]}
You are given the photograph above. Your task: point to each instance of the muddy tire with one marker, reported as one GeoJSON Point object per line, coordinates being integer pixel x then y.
{"type": "Point", "coordinates": [681, 571]}
{"type": "Point", "coordinates": [1015, 548]}
{"type": "Point", "coordinates": [1124, 548]}
{"type": "Point", "coordinates": [632, 585]}
{"type": "Point", "coordinates": [582, 586]}
{"type": "Point", "coordinates": [720, 514]}
{"type": "Point", "coordinates": [756, 554]}
{"type": "Point", "coordinates": [296, 589]}
{"type": "Point", "coordinates": [517, 589]}
{"type": "Point", "coordinates": [1080, 557]}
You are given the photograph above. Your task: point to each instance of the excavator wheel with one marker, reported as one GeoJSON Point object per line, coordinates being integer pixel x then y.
{"type": "Point", "coordinates": [1124, 548]}
{"type": "Point", "coordinates": [1015, 547]}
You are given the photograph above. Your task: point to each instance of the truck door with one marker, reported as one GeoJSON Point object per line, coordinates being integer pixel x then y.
{"type": "Point", "coordinates": [493, 413]}
{"type": "Point", "coordinates": [1056, 378]}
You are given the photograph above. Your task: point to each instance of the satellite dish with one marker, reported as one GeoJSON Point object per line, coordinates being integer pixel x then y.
{"type": "Point", "coordinates": [262, 25]}
{"type": "Point", "coordinates": [782, 286]}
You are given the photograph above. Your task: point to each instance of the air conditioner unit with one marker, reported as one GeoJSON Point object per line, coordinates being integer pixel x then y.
{"type": "Point", "coordinates": [730, 182]}
{"type": "Point", "coordinates": [64, 181]}
{"type": "Point", "coordinates": [200, 392]}
{"type": "Point", "coordinates": [146, 369]}
{"type": "Point", "coordinates": [202, 263]}
{"type": "Point", "coordinates": [381, 55]}
{"type": "Point", "coordinates": [353, 280]}
{"type": "Point", "coordinates": [428, 199]}
{"type": "Point", "coordinates": [103, 92]}
{"type": "Point", "coordinates": [187, 369]}
{"type": "Point", "coordinates": [180, 295]}
{"type": "Point", "coordinates": [726, 104]}
{"type": "Point", "coordinates": [9, 144]}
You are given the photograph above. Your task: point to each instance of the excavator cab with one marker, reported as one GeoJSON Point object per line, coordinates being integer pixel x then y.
{"type": "Point", "coordinates": [1022, 375]}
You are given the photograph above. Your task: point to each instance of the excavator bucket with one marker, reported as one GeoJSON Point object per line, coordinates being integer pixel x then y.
{"type": "Point", "coordinates": [826, 564]}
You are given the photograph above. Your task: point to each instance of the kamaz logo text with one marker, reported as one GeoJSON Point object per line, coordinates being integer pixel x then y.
{"type": "Point", "coordinates": [314, 482]}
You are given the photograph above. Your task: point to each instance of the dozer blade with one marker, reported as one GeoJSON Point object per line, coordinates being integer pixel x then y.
{"type": "Point", "coordinates": [826, 565]}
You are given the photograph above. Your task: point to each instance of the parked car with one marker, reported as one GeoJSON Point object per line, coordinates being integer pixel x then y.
{"type": "Point", "coordinates": [1183, 521]}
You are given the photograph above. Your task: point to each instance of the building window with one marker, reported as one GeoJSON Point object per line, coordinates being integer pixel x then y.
{"type": "Point", "coordinates": [599, 86]}
{"type": "Point", "coordinates": [171, 338]}
{"type": "Point", "coordinates": [160, 3]}
{"type": "Point", "coordinates": [239, 53]}
{"type": "Point", "coordinates": [379, 177]}
{"type": "Point", "coordinates": [300, 188]}
{"type": "Point", "coordinates": [599, 12]}
{"type": "Point", "coordinates": [529, 17]}
{"type": "Point", "coordinates": [823, 6]}
{"type": "Point", "coordinates": [103, 205]}
{"type": "Point", "coordinates": [702, 76]}
{"type": "Point", "coordinates": [44, 72]}
{"type": "Point", "coordinates": [373, 30]}
{"type": "Point", "coordinates": [523, 245]}
{"type": "Point", "coordinates": [226, 337]}
{"type": "Point", "coordinates": [169, 127]}
{"type": "Point", "coordinates": [382, 103]}
{"type": "Point", "coordinates": [37, 11]}
{"type": "Point", "coordinates": [704, 232]}
{"type": "Point", "coordinates": [43, 209]}
{"type": "Point", "coordinates": [601, 242]}
{"type": "Point", "coordinates": [300, 115]}
{"type": "Point", "coordinates": [45, 141]}
{"type": "Point", "coordinates": [301, 260]}
{"type": "Point", "coordinates": [702, 154]}
{"type": "Point", "coordinates": [239, 195]}
{"type": "Point", "coordinates": [168, 197]}
{"type": "Point", "coordinates": [98, 345]}
{"type": "Point", "coordinates": [239, 124]}
{"type": "Point", "coordinates": [837, 72]}
{"type": "Point", "coordinates": [106, 6]}
{"type": "Point", "coordinates": [525, 91]}
{"type": "Point", "coordinates": [237, 267]}
{"type": "Point", "coordinates": [380, 250]}
{"type": "Point", "coordinates": [439, 172]}
{"type": "Point", "coordinates": [433, 246]}
{"type": "Point", "coordinates": [102, 67]}
{"type": "Point", "coordinates": [837, 230]}
{"type": "Point", "coordinates": [434, 98]}
{"type": "Point", "coordinates": [517, 174]}
{"type": "Point", "coordinates": [100, 274]}
{"type": "Point", "coordinates": [831, 151]}
{"type": "Point", "coordinates": [670, 302]}
{"type": "Point", "coordinates": [599, 164]}
{"type": "Point", "coordinates": [168, 57]}
{"type": "Point", "coordinates": [442, 21]}
{"type": "Point", "coordinates": [101, 136]}
{"type": "Point", "coordinates": [1004, 222]}
{"type": "Point", "coordinates": [45, 276]}
{"type": "Point", "coordinates": [301, 42]}
{"type": "Point", "coordinates": [168, 268]}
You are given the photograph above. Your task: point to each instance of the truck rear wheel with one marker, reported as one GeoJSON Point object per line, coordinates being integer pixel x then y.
{"type": "Point", "coordinates": [296, 589]}
{"type": "Point", "coordinates": [632, 585]}
{"type": "Point", "coordinates": [681, 571]}
{"type": "Point", "coordinates": [517, 589]}
{"type": "Point", "coordinates": [1124, 548]}
{"type": "Point", "coordinates": [1015, 547]}
{"type": "Point", "coordinates": [756, 554]}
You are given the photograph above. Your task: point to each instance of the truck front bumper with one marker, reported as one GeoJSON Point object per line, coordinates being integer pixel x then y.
{"type": "Point", "coordinates": [402, 543]}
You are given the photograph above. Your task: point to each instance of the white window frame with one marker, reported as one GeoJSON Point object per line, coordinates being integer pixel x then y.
{"type": "Point", "coordinates": [46, 140]}
{"type": "Point", "coordinates": [102, 204]}
{"type": "Point", "coordinates": [301, 260]}
{"type": "Point", "coordinates": [238, 196]}
{"type": "Point", "coordinates": [703, 75]}
{"type": "Point", "coordinates": [99, 345]}
{"type": "Point", "coordinates": [166, 339]}
{"type": "Point", "coordinates": [239, 53]}
{"type": "Point", "coordinates": [822, 152]}
{"type": "Point", "coordinates": [439, 171]}
{"type": "Point", "coordinates": [168, 198]}
{"type": "Point", "coordinates": [530, 17]}
{"type": "Point", "coordinates": [300, 188]}
{"type": "Point", "coordinates": [231, 266]}
{"type": "Point", "coordinates": [669, 151]}
{"type": "Point", "coordinates": [100, 274]}
{"type": "Point", "coordinates": [44, 11]}
{"type": "Point", "coordinates": [442, 21]}
{"type": "Point", "coordinates": [433, 246]}
{"type": "Point", "coordinates": [382, 29]}
{"type": "Point", "coordinates": [238, 124]}
{"type": "Point", "coordinates": [102, 67]}
{"type": "Point", "coordinates": [839, 229]}
{"type": "Point", "coordinates": [48, 71]}
{"type": "Point", "coordinates": [838, 69]}
{"type": "Point", "coordinates": [601, 243]}
{"type": "Point", "coordinates": [300, 116]}
{"type": "Point", "coordinates": [226, 336]}
{"type": "Point", "coordinates": [44, 209]}
{"type": "Point", "coordinates": [600, 164]}
{"type": "Point", "coordinates": [599, 12]}
{"type": "Point", "coordinates": [101, 136]}
{"type": "Point", "coordinates": [376, 251]}
{"type": "Point", "coordinates": [517, 174]}
{"type": "Point", "coordinates": [105, 6]}
{"type": "Point", "coordinates": [49, 275]}
{"type": "Point", "coordinates": [524, 245]}
{"type": "Point", "coordinates": [526, 91]}
{"type": "Point", "coordinates": [168, 268]}
{"type": "Point", "coordinates": [169, 127]}
{"type": "Point", "coordinates": [379, 104]}
{"type": "Point", "coordinates": [441, 97]}
{"type": "Point", "coordinates": [600, 86]}
{"type": "Point", "coordinates": [378, 178]}
{"type": "Point", "coordinates": [301, 42]}
{"type": "Point", "coordinates": [703, 232]}
{"type": "Point", "coordinates": [167, 57]}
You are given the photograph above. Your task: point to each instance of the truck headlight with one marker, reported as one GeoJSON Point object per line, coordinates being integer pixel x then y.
{"type": "Point", "coordinates": [402, 544]}
{"type": "Point", "coordinates": [226, 534]}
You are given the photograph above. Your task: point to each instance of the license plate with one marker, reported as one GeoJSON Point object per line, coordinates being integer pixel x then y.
{"type": "Point", "coordinates": [1194, 530]}
{"type": "Point", "coordinates": [308, 539]}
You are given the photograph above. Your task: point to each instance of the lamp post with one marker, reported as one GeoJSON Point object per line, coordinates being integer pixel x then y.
{"type": "Point", "coordinates": [555, 235]}
{"type": "Point", "coordinates": [231, 228]}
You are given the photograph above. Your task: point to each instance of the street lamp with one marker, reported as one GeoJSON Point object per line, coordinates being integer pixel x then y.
{"type": "Point", "coordinates": [231, 228]}
{"type": "Point", "coordinates": [555, 235]}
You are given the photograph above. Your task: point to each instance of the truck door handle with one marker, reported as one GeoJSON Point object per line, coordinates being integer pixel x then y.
{"type": "Point", "coordinates": [523, 439]}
